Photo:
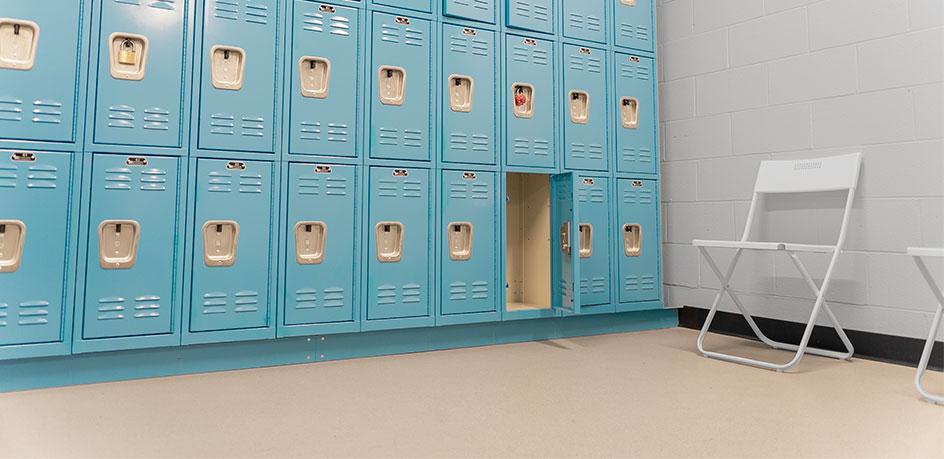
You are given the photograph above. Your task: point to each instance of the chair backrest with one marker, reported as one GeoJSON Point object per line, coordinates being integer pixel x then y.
{"type": "Point", "coordinates": [834, 173]}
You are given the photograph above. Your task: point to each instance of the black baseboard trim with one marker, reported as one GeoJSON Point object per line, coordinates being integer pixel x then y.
{"type": "Point", "coordinates": [871, 346]}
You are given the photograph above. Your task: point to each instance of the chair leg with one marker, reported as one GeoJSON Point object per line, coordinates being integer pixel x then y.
{"type": "Point", "coordinates": [935, 325]}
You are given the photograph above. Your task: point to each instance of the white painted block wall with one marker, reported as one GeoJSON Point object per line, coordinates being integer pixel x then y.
{"type": "Point", "coordinates": [748, 80]}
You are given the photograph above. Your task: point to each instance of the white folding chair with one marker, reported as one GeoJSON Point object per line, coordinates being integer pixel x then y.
{"type": "Point", "coordinates": [918, 254]}
{"type": "Point", "coordinates": [837, 173]}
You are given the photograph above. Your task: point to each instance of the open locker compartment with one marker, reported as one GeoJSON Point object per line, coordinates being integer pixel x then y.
{"type": "Point", "coordinates": [540, 245]}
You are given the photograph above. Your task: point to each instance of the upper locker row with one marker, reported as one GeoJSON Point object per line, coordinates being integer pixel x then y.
{"type": "Point", "coordinates": [553, 93]}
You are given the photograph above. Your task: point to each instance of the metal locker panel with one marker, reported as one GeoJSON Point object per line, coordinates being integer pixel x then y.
{"type": "Point", "coordinates": [400, 86]}
{"type": "Point", "coordinates": [35, 193]}
{"type": "Point", "coordinates": [142, 49]}
{"type": "Point", "coordinates": [593, 199]}
{"type": "Point", "coordinates": [536, 15]}
{"type": "Point", "coordinates": [638, 236]}
{"type": "Point", "coordinates": [585, 108]}
{"type": "Point", "coordinates": [237, 80]}
{"type": "Point", "coordinates": [530, 130]}
{"type": "Point", "coordinates": [476, 10]}
{"type": "Point", "coordinates": [468, 120]}
{"type": "Point", "coordinates": [231, 245]}
{"type": "Point", "coordinates": [634, 24]}
{"type": "Point", "coordinates": [320, 244]}
{"type": "Point", "coordinates": [324, 75]}
{"type": "Point", "coordinates": [469, 243]}
{"type": "Point", "coordinates": [585, 19]}
{"type": "Point", "coordinates": [635, 117]}
{"type": "Point", "coordinates": [131, 272]}
{"type": "Point", "coordinates": [565, 217]}
{"type": "Point", "coordinates": [398, 244]}
{"type": "Point", "coordinates": [425, 6]}
{"type": "Point", "coordinates": [39, 71]}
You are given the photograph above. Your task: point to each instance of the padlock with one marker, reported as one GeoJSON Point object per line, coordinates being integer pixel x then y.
{"type": "Point", "coordinates": [520, 100]}
{"type": "Point", "coordinates": [128, 54]}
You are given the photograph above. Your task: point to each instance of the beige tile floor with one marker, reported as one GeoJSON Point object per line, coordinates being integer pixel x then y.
{"type": "Point", "coordinates": [629, 395]}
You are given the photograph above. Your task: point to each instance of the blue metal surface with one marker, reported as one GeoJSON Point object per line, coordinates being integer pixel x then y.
{"type": "Point", "coordinates": [585, 19]}
{"type": "Point", "coordinates": [634, 24]}
{"type": "Point", "coordinates": [530, 141]}
{"type": "Point", "coordinates": [417, 5]}
{"type": "Point", "coordinates": [475, 10]}
{"type": "Point", "coordinates": [585, 141]}
{"type": "Point", "coordinates": [593, 199]}
{"type": "Point", "coordinates": [321, 297]}
{"type": "Point", "coordinates": [639, 276]}
{"type": "Point", "coordinates": [636, 146]}
{"type": "Point", "coordinates": [469, 135]}
{"type": "Point", "coordinates": [565, 264]}
{"type": "Point", "coordinates": [535, 15]}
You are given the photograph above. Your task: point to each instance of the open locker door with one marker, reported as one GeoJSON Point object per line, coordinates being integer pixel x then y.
{"type": "Point", "coordinates": [565, 252]}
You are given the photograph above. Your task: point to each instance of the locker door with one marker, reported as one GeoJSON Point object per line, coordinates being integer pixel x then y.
{"type": "Point", "coordinates": [476, 10]}
{"type": "Point", "coordinates": [142, 48]}
{"type": "Point", "coordinates": [469, 243]}
{"type": "Point", "coordinates": [536, 15]}
{"type": "Point", "coordinates": [398, 249]}
{"type": "Point", "coordinates": [565, 215]}
{"type": "Point", "coordinates": [319, 258]}
{"type": "Point", "coordinates": [400, 87]}
{"type": "Point", "coordinates": [131, 277]}
{"type": "Point", "coordinates": [324, 74]}
{"type": "Point", "coordinates": [635, 114]}
{"type": "Point", "coordinates": [39, 74]}
{"type": "Point", "coordinates": [585, 19]}
{"type": "Point", "coordinates": [585, 108]}
{"type": "Point", "coordinates": [529, 137]}
{"type": "Point", "coordinates": [593, 235]}
{"type": "Point", "coordinates": [468, 122]}
{"type": "Point", "coordinates": [425, 6]}
{"type": "Point", "coordinates": [634, 21]}
{"type": "Point", "coordinates": [231, 245]}
{"type": "Point", "coordinates": [35, 190]}
{"type": "Point", "coordinates": [638, 236]}
{"type": "Point", "coordinates": [237, 80]}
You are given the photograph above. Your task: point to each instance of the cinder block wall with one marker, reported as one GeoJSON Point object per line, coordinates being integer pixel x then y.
{"type": "Point", "coordinates": [748, 80]}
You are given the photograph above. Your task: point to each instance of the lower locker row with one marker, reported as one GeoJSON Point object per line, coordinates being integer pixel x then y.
{"type": "Point", "coordinates": [165, 245]}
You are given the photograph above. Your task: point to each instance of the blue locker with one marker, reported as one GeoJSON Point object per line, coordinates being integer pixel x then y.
{"type": "Point", "coordinates": [475, 10]}
{"type": "Point", "coordinates": [142, 51]}
{"type": "Point", "coordinates": [131, 281]}
{"type": "Point", "coordinates": [324, 75]}
{"type": "Point", "coordinates": [468, 120]}
{"type": "Point", "coordinates": [232, 242]}
{"type": "Point", "coordinates": [400, 115]}
{"type": "Point", "coordinates": [585, 109]}
{"type": "Point", "coordinates": [638, 239]}
{"type": "Point", "coordinates": [39, 71]}
{"type": "Point", "coordinates": [398, 246]}
{"type": "Point", "coordinates": [425, 6]}
{"type": "Point", "coordinates": [237, 79]}
{"type": "Point", "coordinates": [585, 19]}
{"type": "Point", "coordinates": [593, 199]}
{"type": "Point", "coordinates": [320, 244]}
{"type": "Point", "coordinates": [634, 24]}
{"type": "Point", "coordinates": [469, 243]}
{"type": "Point", "coordinates": [35, 221]}
{"type": "Point", "coordinates": [566, 267]}
{"type": "Point", "coordinates": [536, 15]}
{"type": "Point", "coordinates": [530, 127]}
{"type": "Point", "coordinates": [635, 114]}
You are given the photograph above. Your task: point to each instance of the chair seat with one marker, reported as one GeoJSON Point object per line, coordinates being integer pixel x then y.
{"type": "Point", "coordinates": [925, 252]}
{"type": "Point", "coordinates": [757, 245]}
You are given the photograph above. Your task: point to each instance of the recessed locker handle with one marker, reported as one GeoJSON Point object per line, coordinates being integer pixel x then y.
{"type": "Point", "coordinates": [632, 240]}
{"type": "Point", "coordinates": [392, 81]}
{"type": "Point", "coordinates": [310, 242]}
{"type": "Point", "coordinates": [523, 100]}
{"type": "Point", "coordinates": [586, 240]}
{"type": "Point", "coordinates": [12, 240]}
{"type": "Point", "coordinates": [227, 65]}
{"type": "Point", "coordinates": [565, 238]}
{"type": "Point", "coordinates": [18, 41]}
{"type": "Point", "coordinates": [628, 2]}
{"type": "Point", "coordinates": [579, 102]}
{"type": "Point", "coordinates": [389, 241]}
{"type": "Point", "coordinates": [315, 75]}
{"type": "Point", "coordinates": [118, 243]}
{"type": "Point", "coordinates": [461, 89]}
{"type": "Point", "coordinates": [629, 112]}
{"type": "Point", "coordinates": [460, 240]}
{"type": "Point", "coordinates": [220, 241]}
{"type": "Point", "coordinates": [128, 55]}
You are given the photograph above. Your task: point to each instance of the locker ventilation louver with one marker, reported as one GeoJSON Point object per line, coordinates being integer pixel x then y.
{"type": "Point", "coordinates": [309, 298]}
{"type": "Point", "coordinates": [253, 12]}
{"type": "Point", "coordinates": [531, 10]}
{"type": "Point", "coordinates": [589, 23]}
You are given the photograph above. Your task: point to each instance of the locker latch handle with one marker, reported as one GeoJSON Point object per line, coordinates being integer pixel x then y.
{"type": "Point", "coordinates": [310, 240]}
{"type": "Point", "coordinates": [628, 2]}
{"type": "Point", "coordinates": [586, 240]}
{"type": "Point", "coordinates": [128, 55]}
{"type": "Point", "coordinates": [18, 42]}
{"type": "Point", "coordinates": [460, 240]}
{"type": "Point", "coordinates": [565, 238]}
{"type": "Point", "coordinates": [523, 100]}
{"type": "Point", "coordinates": [461, 90]}
{"type": "Point", "coordinates": [579, 107]}
{"type": "Point", "coordinates": [389, 241]}
{"type": "Point", "coordinates": [632, 240]}
{"type": "Point", "coordinates": [314, 74]}
{"type": "Point", "coordinates": [118, 243]}
{"type": "Point", "coordinates": [227, 65]}
{"type": "Point", "coordinates": [629, 112]}
{"type": "Point", "coordinates": [220, 241]}
{"type": "Point", "coordinates": [12, 241]}
{"type": "Point", "coordinates": [392, 82]}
